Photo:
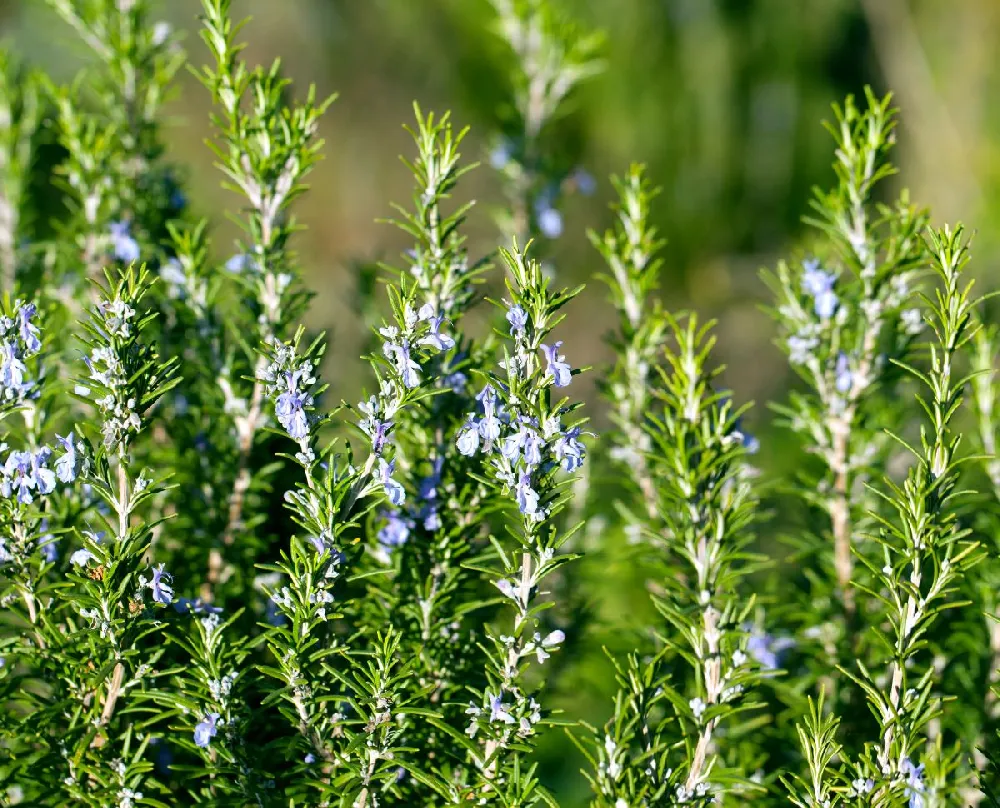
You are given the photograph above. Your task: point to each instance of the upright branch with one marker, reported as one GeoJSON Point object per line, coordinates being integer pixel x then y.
{"type": "Point", "coordinates": [265, 147]}
{"type": "Point", "coordinates": [118, 596]}
{"type": "Point", "coordinates": [629, 250]}
{"type": "Point", "coordinates": [840, 316]}
{"type": "Point", "coordinates": [925, 553]}
{"type": "Point", "coordinates": [529, 439]}
{"type": "Point", "coordinates": [697, 530]}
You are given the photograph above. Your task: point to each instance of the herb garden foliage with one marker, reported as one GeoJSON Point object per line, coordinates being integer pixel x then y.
{"type": "Point", "coordinates": [391, 636]}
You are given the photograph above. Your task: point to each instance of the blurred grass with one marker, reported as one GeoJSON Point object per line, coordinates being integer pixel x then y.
{"type": "Point", "coordinates": [721, 98]}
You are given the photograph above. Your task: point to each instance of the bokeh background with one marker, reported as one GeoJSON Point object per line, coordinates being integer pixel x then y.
{"type": "Point", "coordinates": [722, 99]}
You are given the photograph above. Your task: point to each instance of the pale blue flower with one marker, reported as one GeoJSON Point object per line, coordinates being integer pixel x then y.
{"type": "Point", "coordinates": [395, 532]}
{"type": "Point", "coordinates": [914, 779]}
{"type": "Point", "coordinates": [19, 476]}
{"type": "Point", "coordinates": [527, 497]}
{"type": "Point", "coordinates": [468, 437]}
{"type": "Point", "coordinates": [550, 222]}
{"type": "Point", "coordinates": [568, 450]}
{"type": "Point", "coordinates": [518, 319]}
{"type": "Point", "coordinates": [66, 464]}
{"type": "Point", "coordinates": [393, 490]}
{"type": "Point", "coordinates": [556, 365]}
{"type": "Point", "coordinates": [30, 334]}
{"type": "Point", "coordinates": [160, 585]}
{"type": "Point", "coordinates": [434, 338]}
{"type": "Point", "coordinates": [815, 281]}
{"type": "Point", "coordinates": [125, 248]}
{"type": "Point", "coordinates": [843, 377]}
{"type": "Point", "coordinates": [206, 730]}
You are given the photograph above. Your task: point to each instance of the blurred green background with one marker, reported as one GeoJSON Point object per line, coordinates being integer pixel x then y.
{"type": "Point", "coordinates": [723, 99]}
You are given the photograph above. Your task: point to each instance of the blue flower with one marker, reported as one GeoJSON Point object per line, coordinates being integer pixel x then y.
{"type": "Point", "coordinates": [818, 284]}
{"type": "Point", "coordinates": [501, 155]}
{"type": "Point", "coordinates": [815, 281]}
{"type": "Point", "coordinates": [126, 248]}
{"type": "Point", "coordinates": [585, 183]}
{"type": "Point", "coordinates": [436, 339]}
{"type": "Point", "coordinates": [12, 370]}
{"type": "Point", "coordinates": [29, 331]}
{"type": "Point", "coordinates": [518, 319]}
{"type": "Point", "coordinates": [468, 437]}
{"type": "Point", "coordinates": [826, 305]}
{"type": "Point", "coordinates": [556, 365]}
{"type": "Point", "coordinates": [395, 532]}
{"type": "Point", "coordinates": [527, 497]}
{"type": "Point", "coordinates": [399, 355]}
{"type": "Point", "coordinates": [527, 440]}
{"type": "Point", "coordinates": [162, 591]}
{"type": "Point", "coordinates": [45, 478]}
{"type": "Point", "coordinates": [196, 606]}
{"type": "Point", "coordinates": [48, 545]}
{"type": "Point", "coordinates": [290, 411]}
{"type": "Point", "coordinates": [66, 465]}
{"type": "Point", "coordinates": [568, 449]}
{"type": "Point", "coordinates": [241, 263]}
{"type": "Point", "coordinates": [800, 349]}
{"type": "Point", "coordinates": [206, 730]}
{"type": "Point", "coordinates": [81, 557]}
{"type": "Point", "coordinates": [843, 377]}
{"type": "Point", "coordinates": [18, 474]}
{"type": "Point", "coordinates": [914, 778]}
{"type": "Point", "coordinates": [767, 649]}
{"type": "Point", "coordinates": [489, 426]}
{"type": "Point", "coordinates": [550, 221]}
{"type": "Point", "coordinates": [393, 490]}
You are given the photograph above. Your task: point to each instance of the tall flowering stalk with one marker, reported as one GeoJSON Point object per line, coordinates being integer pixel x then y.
{"type": "Point", "coordinates": [550, 57]}
{"type": "Point", "coordinates": [529, 439]}
{"type": "Point", "coordinates": [426, 539]}
{"type": "Point", "coordinates": [119, 590]}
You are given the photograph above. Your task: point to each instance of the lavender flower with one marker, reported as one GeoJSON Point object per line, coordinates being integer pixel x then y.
{"type": "Point", "coordinates": [163, 593]}
{"type": "Point", "coordinates": [556, 365]}
{"type": "Point", "coordinates": [66, 464]}
{"type": "Point", "coordinates": [468, 437]}
{"type": "Point", "coordinates": [434, 338]}
{"type": "Point", "coordinates": [518, 319]}
{"type": "Point", "coordinates": [30, 334]}
{"type": "Point", "coordinates": [18, 475]}
{"type": "Point", "coordinates": [125, 248]}
{"type": "Point", "coordinates": [818, 284]}
{"type": "Point", "coordinates": [241, 263]}
{"type": "Point", "coordinates": [206, 730]}
{"type": "Point", "coordinates": [527, 497]}
{"type": "Point", "coordinates": [12, 372]}
{"type": "Point", "coordinates": [568, 450]}
{"type": "Point", "coordinates": [914, 779]}
{"type": "Point", "coordinates": [393, 490]}
{"type": "Point", "coordinates": [843, 377]}
{"type": "Point", "coordinates": [396, 530]}
{"type": "Point", "coordinates": [550, 221]}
